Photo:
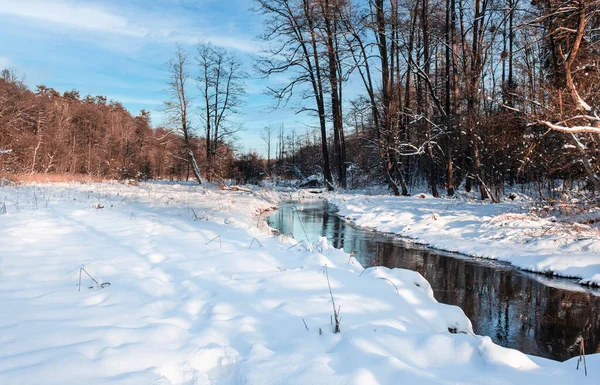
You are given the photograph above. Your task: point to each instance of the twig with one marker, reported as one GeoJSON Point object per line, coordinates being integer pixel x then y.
{"type": "Point", "coordinates": [218, 236]}
{"type": "Point", "coordinates": [397, 291]}
{"type": "Point", "coordinates": [88, 274]}
{"type": "Point", "coordinates": [301, 242]}
{"type": "Point", "coordinates": [335, 311]}
{"type": "Point", "coordinates": [305, 325]}
{"type": "Point", "coordinates": [548, 229]}
{"type": "Point", "coordinates": [322, 268]}
{"type": "Point", "coordinates": [302, 227]}
{"type": "Point", "coordinates": [81, 269]}
{"type": "Point", "coordinates": [582, 355]}
{"type": "Point", "coordinates": [257, 241]}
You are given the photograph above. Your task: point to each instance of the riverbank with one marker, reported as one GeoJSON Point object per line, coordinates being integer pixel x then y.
{"type": "Point", "coordinates": [533, 313]}
{"type": "Point", "coordinates": [187, 285]}
{"type": "Point", "coordinates": [508, 231]}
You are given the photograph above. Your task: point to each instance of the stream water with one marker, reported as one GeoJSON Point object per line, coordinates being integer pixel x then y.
{"type": "Point", "coordinates": [533, 313]}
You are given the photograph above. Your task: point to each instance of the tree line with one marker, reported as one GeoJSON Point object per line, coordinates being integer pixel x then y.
{"type": "Point", "coordinates": [43, 131]}
{"type": "Point", "coordinates": [476, 93]}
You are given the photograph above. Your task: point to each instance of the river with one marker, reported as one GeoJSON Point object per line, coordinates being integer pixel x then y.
{"type": "Point", "coordinates": [533, 313]}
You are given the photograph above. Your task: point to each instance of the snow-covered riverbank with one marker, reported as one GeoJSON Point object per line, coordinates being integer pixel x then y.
{"type": "Point", "coordinates": [505, 231]}
{"type": "Point", "coordinates": [201, 292]}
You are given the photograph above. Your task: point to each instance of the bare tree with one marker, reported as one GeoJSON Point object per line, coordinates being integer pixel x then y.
{"type": "Point", "coordinates": [178, 106]}
{"type": "Point", "coordinates": [220, 81]}
{"type": "Point", "coordinates": [11, 75]}
{"type": "Point", "coordinates": [292, 32]}
{"type": "Point", "coordinates": [329, 16]}
{"type": "Point", "coordinates": [359, 32]}
{"type": "Point", "coordinates": [266, 136]}
{"type": "Point", "coordinates": [570, 31]}
{"type": "Point", "coordinates": [280, 151]}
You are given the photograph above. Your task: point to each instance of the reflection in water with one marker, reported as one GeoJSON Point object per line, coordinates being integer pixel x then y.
{"type": "Point", "coordinates": [532, 313]}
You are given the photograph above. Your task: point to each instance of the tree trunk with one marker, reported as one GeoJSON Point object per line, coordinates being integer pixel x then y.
{"type": "Point", "coordinates": [317, 82]}
{"type": "Point", "coordinates": [427, 107]}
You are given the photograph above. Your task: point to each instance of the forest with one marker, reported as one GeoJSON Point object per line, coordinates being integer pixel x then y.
{"type": "Point", "coordinates": [456, 93]}
{"type": "Point", "coordinates": [469, 94]}
{"type": "Point", "coordinates": [43, 131]}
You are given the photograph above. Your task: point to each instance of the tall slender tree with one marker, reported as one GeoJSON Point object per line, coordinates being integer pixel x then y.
{"type": "Point", "coordinates": [177, 107]}
{"type": "Point", "coordinates": [291, 30]}
{"type": "Point", "coordinates": [220, 82]}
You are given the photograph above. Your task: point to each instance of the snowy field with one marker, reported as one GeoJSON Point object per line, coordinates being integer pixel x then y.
{"type": "Point", "coordinates": [508, 231]}
{"type": "Point", "coordinates": [247, 308]}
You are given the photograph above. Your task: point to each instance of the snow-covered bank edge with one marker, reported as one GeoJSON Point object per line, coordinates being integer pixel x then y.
{"type": "Point", "coordinates": [504, 232]}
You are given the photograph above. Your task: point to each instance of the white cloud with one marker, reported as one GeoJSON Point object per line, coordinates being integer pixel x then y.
{"type": "Point", "coordinates": [69, 14]}
{"type": "Point", "coordinates": [94, 18]}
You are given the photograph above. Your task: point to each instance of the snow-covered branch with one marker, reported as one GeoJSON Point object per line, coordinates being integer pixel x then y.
{"type": "Point", "coordinates": [572, 130]}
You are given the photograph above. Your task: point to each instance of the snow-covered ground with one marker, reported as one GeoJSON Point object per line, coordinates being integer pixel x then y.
{"type": "Point", "coordinates": [508, 231]}
{"type": "Point", "coordinates": [247, 308]}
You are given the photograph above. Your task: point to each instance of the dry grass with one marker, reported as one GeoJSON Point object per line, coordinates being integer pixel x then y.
{"type": "Point", "coordinates": [564, 232]}
{"type": "Point", "coordinates": [514, 217]}
{"type": "Point", "coordinates": [51, 178]}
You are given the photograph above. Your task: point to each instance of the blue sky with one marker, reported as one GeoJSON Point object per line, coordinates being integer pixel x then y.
{"type": "Point", "coordinates": [119, 49]}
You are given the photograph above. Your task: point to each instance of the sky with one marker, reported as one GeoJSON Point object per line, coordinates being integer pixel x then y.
{"type": "Point", "coordinates": [119, 48]}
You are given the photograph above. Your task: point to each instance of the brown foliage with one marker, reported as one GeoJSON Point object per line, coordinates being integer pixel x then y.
{"type": "Point", "coordinates": [46, 136]}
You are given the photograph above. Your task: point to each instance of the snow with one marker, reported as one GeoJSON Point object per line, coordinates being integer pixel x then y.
{"type": "Point", "coordinates": [508, 231]}
{"type": "Point", "coordinates": [182, 310]}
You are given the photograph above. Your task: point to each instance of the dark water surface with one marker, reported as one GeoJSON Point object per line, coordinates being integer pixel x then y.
{"type": "Point", "coordinates": [529, 312]}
